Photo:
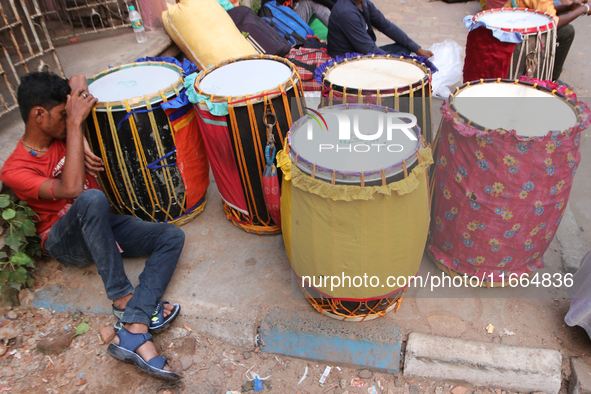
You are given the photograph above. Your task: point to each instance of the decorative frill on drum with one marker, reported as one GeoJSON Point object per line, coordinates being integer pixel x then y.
{"type": "Point", "coordinates": [498, 198]}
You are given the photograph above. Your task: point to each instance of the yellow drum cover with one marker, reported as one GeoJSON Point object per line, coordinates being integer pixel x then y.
{"type": "Point", "coordinates": [351, 230]}
{"type": "Point", "coordinates": [204, 32]}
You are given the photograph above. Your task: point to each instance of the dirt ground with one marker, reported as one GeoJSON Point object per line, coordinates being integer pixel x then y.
{"type": "Point", "coordinates": [210, 366]}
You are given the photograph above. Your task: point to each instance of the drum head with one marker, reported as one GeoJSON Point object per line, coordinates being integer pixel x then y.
{"type": "Point", "coordinates": [528, 111]}
{"type": "Point", "coordinates": [373, 74]}
{"type": "Point", "coordinates": [245, 77]}
{"type": "Point", "coordinates": [313, 143]}
{"type": "Point", "coordinates": [514, 19]}
{"type": "Point", "coordinates": [131, 82]}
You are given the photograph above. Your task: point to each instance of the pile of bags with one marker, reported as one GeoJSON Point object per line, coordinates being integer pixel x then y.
{"type": "Point", "coordinates": [208, 32]}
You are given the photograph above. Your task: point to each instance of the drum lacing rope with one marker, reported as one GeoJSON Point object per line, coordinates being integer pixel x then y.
{"type": "Point", "coordinates": [405, 169]}
{"type": "Point", "coordinates": [298, 93]}
{"type": "Point", "coordinates": [334, 173]}
{"type": "Point", "coordinates": [296, 158]}
{"type": "Point", "coordinates": [330, 95]}
{"type": "Point", "coordinates": [424, 111]}
{"type": "Point", "coordinates": [256, 140]}
{"type": "Point", "coordinates": [121, 160]}
{"type": "Point", "coordinates": [143, 162]}
{"type": "Point", "coordinates": [314, 171]}
{"type": "Point", "coordinates": [165, 170]}
{"type": "Point", "coordinates": [344, 95]}
{"type": "Point", "coordinates": [383, 178]}
{"type": "Point", "coordinates": [362, 179]}
{"type": "Point", "coordinates": [411, 100]}
{"type": "Point", "coordinates": [171, 128]}
{"type": "Point", "coordinates": [106, 163]}
{"type": "Point", "coordinates": [241, 160]}
{"type": "Point", "coordinates": [378, 97]}
{"type": "Point", "coordinates": [396, 99]}
{"type": "Point", "coordinates": [359, 96]}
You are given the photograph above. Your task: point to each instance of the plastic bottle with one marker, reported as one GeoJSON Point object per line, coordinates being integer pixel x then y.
{"type": "Point", "coordinates": [138, 26]}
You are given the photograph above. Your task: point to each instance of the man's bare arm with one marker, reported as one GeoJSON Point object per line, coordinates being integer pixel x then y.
{"type": "Point", "coordinates": [71, 184]}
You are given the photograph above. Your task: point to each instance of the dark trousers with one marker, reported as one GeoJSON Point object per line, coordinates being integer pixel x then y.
{"type": "Point", "coordinates": [87, 233]}
{"type": "Point", "coordinates": [395, 49]}
{"type": "Point", "coordinates": [564, 36]}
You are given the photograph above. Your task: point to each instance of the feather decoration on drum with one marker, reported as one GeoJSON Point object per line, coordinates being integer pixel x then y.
{"type": "Point", "coordinates": [144, 129]}
{"type": "Point", "coordinates": [505, 158]}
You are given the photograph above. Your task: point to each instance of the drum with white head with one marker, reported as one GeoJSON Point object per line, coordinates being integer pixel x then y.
{"type": "Point", "coordinates": [377, 152]}
{"type": "Point", "coordinates": [531, 112]}
{"type": "Point", "coordinates": [239, 95]}
{"type": "Point", "coordinates": [400, 83]}
{"type": "Point", "coordinates": [141, 146]}
{"type": "Point", "coordinates": [506, 155]}
{"type": "Point", "coordinates": [535, 55]}
{"type": "Point", "coordinates": [355, 201]}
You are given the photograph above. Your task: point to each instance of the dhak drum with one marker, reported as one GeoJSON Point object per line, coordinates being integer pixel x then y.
{"type": "Point", "coordinates": [240, 95]}
{"type": "Point", "coordinates": [505, 158]}
{"type": "Point", "coordinates": [354, 208]}
{"type": "Point", "coordinates": [534, 56]}
{"type": "Point", "coordinates": [156, 167]}
{"type": "Point", "coordinates": [399, 83]}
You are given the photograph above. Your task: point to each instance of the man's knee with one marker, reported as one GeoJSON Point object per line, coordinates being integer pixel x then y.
{"type": "Point", "coordinates": [95, 199]}
{"type": "Point", "coordinates": [174, 236]}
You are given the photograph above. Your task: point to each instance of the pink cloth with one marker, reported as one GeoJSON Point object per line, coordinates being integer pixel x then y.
{"type": "Point", "coordinates": [499, 197]}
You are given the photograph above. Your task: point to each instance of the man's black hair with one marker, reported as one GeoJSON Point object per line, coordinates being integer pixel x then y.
{"type": "Point", "coordinates": [41, 89]}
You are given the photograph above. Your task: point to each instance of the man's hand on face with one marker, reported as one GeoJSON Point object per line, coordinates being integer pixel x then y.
{"type": "Point", "coordinates": [424, 52]}
{"type": "Point", "coordinates": [92, 162]}
{"type": "Point", "coordinates": [79, 104]}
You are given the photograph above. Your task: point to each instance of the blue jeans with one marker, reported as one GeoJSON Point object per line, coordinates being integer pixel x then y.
{"type": "Point", "coordinates": [395, 49]}
{"type": "Point", "coordinates": [88, 233]}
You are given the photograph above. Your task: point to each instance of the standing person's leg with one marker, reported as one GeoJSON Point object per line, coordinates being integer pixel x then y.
{"type": "Point", "coordinates": [321, 12]}
{"type": "Point", "coordinates": [564, 36]}
{"type": "Point", "coordinates": [395, 49]}
{"type": "Point", "coordinates": [306, 8]}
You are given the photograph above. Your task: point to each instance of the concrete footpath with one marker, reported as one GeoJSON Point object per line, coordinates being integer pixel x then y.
{"type": "Point", "coordinates": [238, 286]}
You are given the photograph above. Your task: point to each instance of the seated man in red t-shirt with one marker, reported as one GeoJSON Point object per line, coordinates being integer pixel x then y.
{"type": "Point", "coordinates": [51, 170]}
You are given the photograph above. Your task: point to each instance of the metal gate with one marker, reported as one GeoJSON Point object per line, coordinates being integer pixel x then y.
{"type": "Point", "coordinates": [26, 46]}
{"type": "Point", "coordinates": [67, 19]}
{"type": "Point", "coordinates": [30, 28]}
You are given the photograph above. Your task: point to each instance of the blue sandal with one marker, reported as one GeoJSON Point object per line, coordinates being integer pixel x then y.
{"type": "Point", "coordinates": [125, 351]}
{"type": "Point", "coordinates": [158, 322]}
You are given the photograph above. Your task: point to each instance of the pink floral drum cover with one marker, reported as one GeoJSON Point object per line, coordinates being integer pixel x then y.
{"type": "Point", "coordinates": [498, 196]}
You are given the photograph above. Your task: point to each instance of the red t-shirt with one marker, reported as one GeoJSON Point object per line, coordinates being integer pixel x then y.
{"type": "Point", "coordinates": [24, 174]}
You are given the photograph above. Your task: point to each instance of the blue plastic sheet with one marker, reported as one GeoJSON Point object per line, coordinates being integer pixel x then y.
{"type": "Point", "coordinates": [501, 35]}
